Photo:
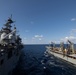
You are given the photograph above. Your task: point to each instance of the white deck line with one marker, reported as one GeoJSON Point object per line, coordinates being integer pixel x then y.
{"type": "Point", "coordinates": [74, 55]}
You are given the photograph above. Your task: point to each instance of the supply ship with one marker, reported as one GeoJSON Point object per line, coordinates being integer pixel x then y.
{"type": "Point", "coordinates": [65, 52]}
{"type": "Point", "coordinates": [10, 47]}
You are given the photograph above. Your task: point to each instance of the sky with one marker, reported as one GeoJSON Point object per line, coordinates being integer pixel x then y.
{"type": "Point", "coordinates": [41, 21]}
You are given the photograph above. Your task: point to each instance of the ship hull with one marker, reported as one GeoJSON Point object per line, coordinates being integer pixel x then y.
{"type": "Point", "coordinates": [9, 64]}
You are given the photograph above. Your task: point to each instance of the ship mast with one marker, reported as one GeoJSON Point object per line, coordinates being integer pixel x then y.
{"type": "Point", "coordinates": [62, 46]}
{"type": "Point", "coordinates": [7, 25]}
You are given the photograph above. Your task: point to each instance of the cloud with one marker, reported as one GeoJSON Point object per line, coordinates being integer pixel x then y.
{"type": "Point", "coordinates": [73, 19]}
{"type": "Point", "coordinates": [72, 32]}
{"type": "Point", "coordinates": [38, 36]}
{"type": "Point", "coordinates": [71, 38]}
{"type": "Point", "coordinates": [36, 39]}
{"type": "Point", "coordinates": [40, 39]}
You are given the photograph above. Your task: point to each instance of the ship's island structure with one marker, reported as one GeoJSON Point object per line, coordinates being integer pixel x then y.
{"type": "Point", "coordinates": [10, 48]}
{"type": "Point", "coordinates": [65, 52]}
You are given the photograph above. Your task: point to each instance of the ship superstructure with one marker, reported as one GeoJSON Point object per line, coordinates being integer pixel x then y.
{"type": "Point", "coordinates": [10, 48]}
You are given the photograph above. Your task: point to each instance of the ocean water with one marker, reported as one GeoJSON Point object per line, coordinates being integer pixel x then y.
{"type": "Point", "coordinates": [34, 61]}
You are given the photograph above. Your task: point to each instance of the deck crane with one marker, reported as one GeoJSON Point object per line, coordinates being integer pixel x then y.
{"type": "Point", "coordinates": [71, 45]}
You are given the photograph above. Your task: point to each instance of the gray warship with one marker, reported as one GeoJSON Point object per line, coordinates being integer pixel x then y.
{"type": "Point", "coordinates": [10, 47]}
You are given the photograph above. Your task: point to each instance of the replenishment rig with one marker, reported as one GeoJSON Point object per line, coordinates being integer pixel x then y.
{"type": "Point", "coordinates": [65, 51]}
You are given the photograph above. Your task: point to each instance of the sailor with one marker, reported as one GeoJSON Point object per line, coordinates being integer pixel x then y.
{"type": "Point", "coordinates": [64, 52]}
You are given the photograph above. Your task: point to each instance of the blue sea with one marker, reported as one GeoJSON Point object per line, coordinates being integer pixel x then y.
{"type": "Point", "coordinates": [34, 61]}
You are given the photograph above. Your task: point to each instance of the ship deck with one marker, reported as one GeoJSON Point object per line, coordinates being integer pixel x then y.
{"type": "Point", "coordinates": [56, 50]}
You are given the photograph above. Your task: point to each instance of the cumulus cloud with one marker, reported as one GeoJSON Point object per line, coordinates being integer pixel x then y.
{"type": "Point", "coordinates": [38, 36]}
{"type": "Point", "coordinates": [36, 39]}
{"type": "Point", "coordinates": [73, 19]}
{"type": "Point", "coordinates": [71, 38]}
{"type": "Point", "coordinates": [40, 39]}
{"type": "Point", "coordinates": [73, 31]}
